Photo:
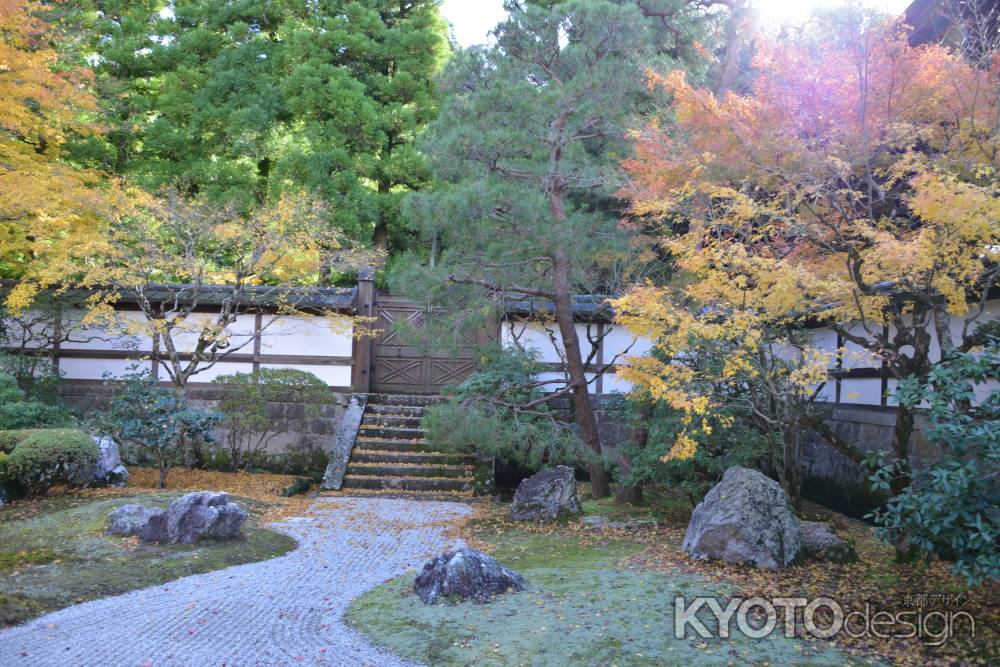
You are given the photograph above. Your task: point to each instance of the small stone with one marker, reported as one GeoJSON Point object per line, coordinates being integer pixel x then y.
{"type": "Point", "coordinates": [110, 469]}
{"type": "Point", "coordinates": [820, 542]}
{"type": "Point", "coordinates": [129, 520]}
{"type": "Point", "coordinates": [466, 574]}
{"type": "Point", "coordinates": [596, 521]}
{"type": "Point", "coordinates": [546, 495]}
{"type": "Point", "coordinates": [634, 523]}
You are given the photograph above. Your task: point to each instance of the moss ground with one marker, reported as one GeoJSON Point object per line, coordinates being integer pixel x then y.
{"type": "Point", "coordinates": [53, 553]}
{"type": "Point", "coordinates": [583, 606]}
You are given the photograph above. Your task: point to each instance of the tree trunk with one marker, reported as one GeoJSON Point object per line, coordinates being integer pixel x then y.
{"type": "Point", "coordinates": [790, 464]}
{"type": "Point", "coordinates": [901, 477]}
{"type": "Point", "coordinates": [628, 494]}
{"type": "Point", "coordinates": [164, 469]}
{"type": "Point", "coordinates": [734, 43]}
{"type": "Point", "coordinates": [640, 436]}
{"type": "Point", "coordinates": [380, 237]}
{"type": "Point", "coordinates": [583, 410]}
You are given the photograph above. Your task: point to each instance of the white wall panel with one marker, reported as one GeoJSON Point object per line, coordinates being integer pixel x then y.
{"type": "Point", "coordinates": [861, 391]}
{"type": "Point", "coordinates": [185, 337]}
{"type": "Point", "coordinates": [221, 368]}
{"type": "Point", "coordinates": [614, 384]}
{"type": "Point", "coordinates": [123, 334]}
{"type": "Point", "coordinates": [619, 339]}
{"type": "Point", "coordinates": [856, 356]}
{"type": "Point", "coordinates": [308, 334]}
{"type": "Point", "coordinates": [95, 369]}
{"type": "Point", "coordinates": [333, 376]}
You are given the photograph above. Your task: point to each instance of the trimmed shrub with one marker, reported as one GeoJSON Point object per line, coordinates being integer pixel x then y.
{"type": "Point", "coordinates": [17, 411]}
{"type": "Point", "coordinates": [11, 439]}
{"type": "Point", "coordinates": [53, 456]}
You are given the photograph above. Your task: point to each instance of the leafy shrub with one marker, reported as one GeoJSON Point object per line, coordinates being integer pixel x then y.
{"type": "Point", "coordinates": [950, 509]}
{"type": "Point", "coordinates": [247, 418]}
{"type": "Point", "coordinates": [53, 456]}
{"type": "Point", "coordinates": [17, 411]}
{"type": "Point", "coordinates": [157, 422]}
{"type": "Point", "coordinates": [10, 439]}
{"type": "Point", "coordinates": [481, 415]}
{"type": "Point", "coordinates": [719, 449]}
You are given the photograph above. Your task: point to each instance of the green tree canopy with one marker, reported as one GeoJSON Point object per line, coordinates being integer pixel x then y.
{"type": "Point", "coordinates": [525, 152]}
{"type": "Point", "coordinates": [243, 101]}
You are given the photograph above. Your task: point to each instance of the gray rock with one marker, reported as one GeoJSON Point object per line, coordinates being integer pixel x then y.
{"type": "Point", "coordinates": [546, 495]}
{"type": "Point", "coordinates": [820, 542]}
{"type": "Point", "coordinates": [110, 469]}
{"type": "Point", "coordinates": [192, 517]}
{"type": "Point", "coordinates": [129, 519]}
{"type": "Point", "coordinates": [343, 441]}
{"type": "Point", "coordinates": [229, 522]}
{"type": "Point", "coordinates": [745, 518]}
{"type": "Point", "coordinates": [155, 530]}
{"type": "Point", "coordinates": [466, 574]}
{"type": "Point", "coordinates": [598, 522]}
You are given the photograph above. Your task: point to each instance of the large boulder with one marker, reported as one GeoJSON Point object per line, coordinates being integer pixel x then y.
{"type": "Point", "coordinates": [110, 469]}
{"type": "Point", "coordinates": [820, 542]}
{"type": "Point", "coordinates": [129, 519]}
{"type": "Point", "coordinates": [546, 495]}
{"type": "Point", "coordinates": [192, 517]}
{"type": "Point", "coordinates": [466, 574]}
{"type": "Point", "coordinates": [745, 518]}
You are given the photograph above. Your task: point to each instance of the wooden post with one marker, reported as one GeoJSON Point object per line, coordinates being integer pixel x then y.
{"type": "Point", "coordinates": [258, 323]}
{"type": "Point", "coordinates": [364, 306]}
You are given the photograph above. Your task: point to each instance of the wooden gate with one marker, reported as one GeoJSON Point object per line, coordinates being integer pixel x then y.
{"type": "Point", "coordinates": [400, 367]}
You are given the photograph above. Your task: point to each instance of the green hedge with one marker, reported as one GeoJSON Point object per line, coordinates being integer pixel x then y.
{"type": "Point", "coordinates": [11, 439]}
{"type": "Point", "coordinates": [53, 456]}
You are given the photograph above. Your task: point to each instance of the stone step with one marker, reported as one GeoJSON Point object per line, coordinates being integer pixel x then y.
{"type": "Point", "coordinates": [407, 470]}
{"type": "Point", "coordinates": [421, 400]}
{"type": "Point", "coordinates": [393, 421]}
{"type": "Point", "coordinates": [405, 410]}
{"type": "Point", "coordinates": [390, 456]}
{"type": "Point", "coordinates": [408, 483]}
{"type": "Point", "coordinates": [390, 432]}
{"type": "Point", "coordinates": [395, 445]}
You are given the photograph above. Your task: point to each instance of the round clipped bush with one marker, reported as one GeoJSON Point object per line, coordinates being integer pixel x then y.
{"type": "Point", "coordinates": [53, 456]}
{"type": "Point", "coordinates": [11, 439]}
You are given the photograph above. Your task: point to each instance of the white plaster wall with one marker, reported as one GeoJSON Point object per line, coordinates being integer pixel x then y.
{"type": "Point", "coordinates": [861, 391]}
{"type": "Point", "coordinates": [95, 369]}
{"type": "Point", "coordinates": [333, 376]}
{"type": "Point", "coordinates": [315, 335]}
{"type": "Point", "coordinates": [240, 332]}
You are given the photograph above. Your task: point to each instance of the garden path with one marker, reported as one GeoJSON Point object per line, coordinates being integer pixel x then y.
{"type": "Point", "coordinates": [284, 611]}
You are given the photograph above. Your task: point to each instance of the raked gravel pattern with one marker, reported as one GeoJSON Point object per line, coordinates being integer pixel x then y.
{"type": "Point", "coordinates": [284, 611]}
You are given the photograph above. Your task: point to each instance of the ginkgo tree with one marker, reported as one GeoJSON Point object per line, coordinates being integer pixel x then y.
{"type": "Point", "coordinates": [53, 215]}
{"type": "Point", "coordinates": [855, 188]}
{"type": "Point", "coordinates": [193, 268]}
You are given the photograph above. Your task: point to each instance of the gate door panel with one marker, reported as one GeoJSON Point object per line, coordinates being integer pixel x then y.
{"type": "Point", "coordinates": [399, 367]}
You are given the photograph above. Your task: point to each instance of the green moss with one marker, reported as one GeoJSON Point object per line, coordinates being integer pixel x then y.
{"type": "Point", "coordinates": [582, 607]}
{"type": "Point", "coordinates": [10, 439]}
{"type": "Point", "coordinates": [52, 456]}
{"type": "Point", "coordinates": [63, 556]}
{"type": "Point", "coordinates": [10, 560]}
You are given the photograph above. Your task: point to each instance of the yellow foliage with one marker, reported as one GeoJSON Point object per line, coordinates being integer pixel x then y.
{"type": "Point", "coordinates": [833, 194]}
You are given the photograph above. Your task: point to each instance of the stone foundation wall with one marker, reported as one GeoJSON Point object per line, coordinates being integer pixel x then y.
{"type": "Point", "coordinates": [295, 434]}
{"type": "Point", "coordinates": [869, 429]}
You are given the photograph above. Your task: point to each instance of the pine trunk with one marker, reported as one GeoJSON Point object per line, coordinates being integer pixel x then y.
{"type": "Point", "coordinates": [583, 410]}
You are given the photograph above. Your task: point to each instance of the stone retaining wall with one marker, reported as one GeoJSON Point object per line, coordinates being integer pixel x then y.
{"type": "Point", "coordinates": [297, 435]}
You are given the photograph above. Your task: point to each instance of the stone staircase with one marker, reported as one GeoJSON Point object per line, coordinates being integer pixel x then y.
{"type": "Point", "coordinates": [391, 451]}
